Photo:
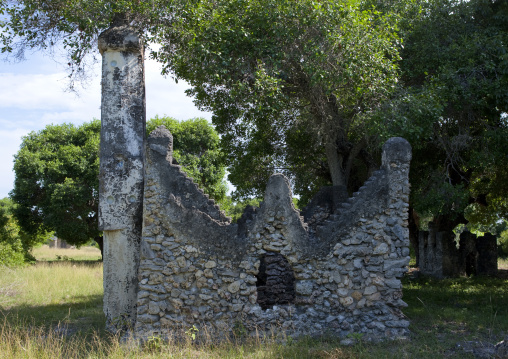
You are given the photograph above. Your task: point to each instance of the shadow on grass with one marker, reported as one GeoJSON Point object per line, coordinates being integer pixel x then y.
{"type": "Point", "coordinates": [85, 263]}
{"type": "Point", "coordinates": [459, 308]}
{"type": "Point", "coordinates": [78, 314]}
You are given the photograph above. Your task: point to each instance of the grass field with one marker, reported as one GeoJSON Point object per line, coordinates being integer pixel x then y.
{"type": "Point", "coordinates": [46, 254]}
{"type": "Point", "coordinates": [53, 309]}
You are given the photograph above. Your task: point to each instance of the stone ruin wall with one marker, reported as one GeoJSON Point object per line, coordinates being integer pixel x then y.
{"type": "Point", "coordinates": [272, 270]}
{"type": "Point", "coordinates": [440, 256]}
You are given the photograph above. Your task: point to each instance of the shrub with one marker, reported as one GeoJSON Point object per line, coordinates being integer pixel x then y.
{"type": "Point", "coordinates": [9, 256]}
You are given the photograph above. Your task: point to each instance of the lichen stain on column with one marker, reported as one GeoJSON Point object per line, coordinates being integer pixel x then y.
{"type": "Point", "coordinates": [121, 170]}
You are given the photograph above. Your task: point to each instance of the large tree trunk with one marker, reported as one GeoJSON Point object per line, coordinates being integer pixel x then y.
{"type": "Point", "coordinates": [335, 161]}
{"type": "Point", "coordinates": [413, 223]}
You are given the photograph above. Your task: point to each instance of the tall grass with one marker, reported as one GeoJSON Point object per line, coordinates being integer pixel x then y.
{"type": "Point", "coordinates": [49, 283]}
{"type": "Point", "coordinates": [52, 293]}
{"type": "Point", "coordinates": [54, 310]}
{"type": "Point", "coordinates": [39, 342]}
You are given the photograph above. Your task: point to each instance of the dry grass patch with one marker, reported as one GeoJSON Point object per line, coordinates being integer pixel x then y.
{"type": "Point", "coordinates": [49, 283]}
{"type": "Point", "coordinates": [52, 294]}
{"type": "Point", "coordinates": [502, 263]}
{"type": "Point", "coordinates": [45, 253]}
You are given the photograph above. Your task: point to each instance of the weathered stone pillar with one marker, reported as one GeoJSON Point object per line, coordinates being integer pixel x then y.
{"type": "Point", "coordinates": [121, 170]}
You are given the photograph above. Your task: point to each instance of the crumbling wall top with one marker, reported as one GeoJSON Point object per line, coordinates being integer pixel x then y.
{"type": "Point", "coordinates": [396, 150]}
{"type": "Point", "coordinates": [120, 38]}
{"type": "Point", "coordinates": [161, 141]}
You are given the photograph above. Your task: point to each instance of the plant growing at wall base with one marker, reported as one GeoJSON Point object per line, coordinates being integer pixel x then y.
{"type": "Point", "coordinates": [154, 344]}
{"type": "Point", "coordinates": [192, 333]}
{"type": "Point", "coordinates": [239, 329]}
{"type": "Point", "coordinates": [357, 339]}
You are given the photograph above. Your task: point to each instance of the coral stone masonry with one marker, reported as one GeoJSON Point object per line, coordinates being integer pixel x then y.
{"type": "Point", "coordinates": [173, 260]}
{"type": "Point", "coordinates": [271, 270]}
{"type": "Point", "coordinates": [121, 169]}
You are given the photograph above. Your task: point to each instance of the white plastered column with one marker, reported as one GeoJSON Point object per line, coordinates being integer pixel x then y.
{"type": "Point", "coordinates": [123, 117]}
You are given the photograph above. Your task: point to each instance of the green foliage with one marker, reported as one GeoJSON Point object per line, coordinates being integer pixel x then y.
{"type": "Point", "coordinates": [196, 147]}
{"type": "Point", "coordinates": [15, 245]}
{"type": "Point", "coordinates": [154, 344]}
{"type": "Point", "coordinates": [56, 183]}
{"type": "Point", "coordinates": [10, 255]}
{"type": "Point", "coordinates": [502, 243]}
{"type": "Point", "coordinates": [285, 80]}
{"type": "Point", "coordinates": [455, 73]}
{"type": "Point", "coordinates": [57, 169]}
{"type": "Point", "coordinates": [236, 208]}
{"type": "Point", "coordinates": [73, 24]}
{"type": "Point", "coordinates": [298, 87]}
{"type": "Point", "coordinates": [192, 332]}
{"type": "Point", "coordinates": [239, 329]}
{"type": "Point", "coordinates": [11, 248]}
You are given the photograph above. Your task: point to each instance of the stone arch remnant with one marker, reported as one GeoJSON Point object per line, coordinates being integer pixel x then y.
{"type": "Point", "coordinates": [173, 259]}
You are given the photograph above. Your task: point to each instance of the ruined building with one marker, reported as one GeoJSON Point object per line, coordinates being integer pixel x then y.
{"type": "Point", "coordinates": [440, 256]}
{"type": "Point", "coordinates": [173, 259]}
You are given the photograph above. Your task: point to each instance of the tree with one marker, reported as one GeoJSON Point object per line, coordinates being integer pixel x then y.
{"type": "Point", "coordinates": [74, 24]}
{"type": "Point", "coordinates": [57, 169]}
{"type": "Point", "coordinates": [11, 247]}
{"type": "Point", "coordinates": [453, 111]}
{"type": "Point", "coordinates": [282, 78]}
{"type": "Point", "coordinates": [290, 84]}
{"type": "Point", "coordinates": [56, 182]}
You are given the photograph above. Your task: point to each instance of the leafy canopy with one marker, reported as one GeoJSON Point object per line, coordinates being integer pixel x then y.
{"type": "Point", "coordinates": [291, 84]}
{"type": "Point", "coordinates": [72, 24]}
{"type": "Point", "coordinates": [288, 82]}
{"type": "Point", "coordinates": [453, 110]}
{"type": "Point", "coordinates": [56, 182]}
{"type": "Point", "coordinates": [57, 168]}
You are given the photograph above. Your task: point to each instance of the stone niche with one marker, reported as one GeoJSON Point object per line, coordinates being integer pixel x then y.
{"type": "Point", "coordinates": [273, 270]}
{"type": "Point", "coordinates": [275, 281]}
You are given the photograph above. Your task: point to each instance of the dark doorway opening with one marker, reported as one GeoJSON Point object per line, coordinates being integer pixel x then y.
{"type": "Point", "coordinates": [275, 281]}
{"type": "Point", "coordinates": [471, 264]}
